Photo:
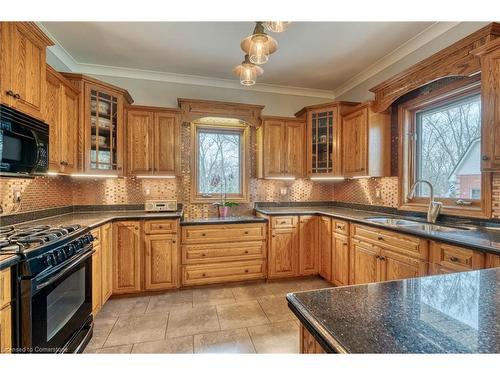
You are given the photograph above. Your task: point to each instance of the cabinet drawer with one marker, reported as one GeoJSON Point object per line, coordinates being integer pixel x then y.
{"type": "Point", "coordinates": [223, 272]}
{"type": "Point", "coordinates": [4, 287]}
{"type": "Point", "coordinates": [405, 244]}
{"type": "Point", "coordinates": [456, 258]}
{"type": "Point", "coordinates": [160, 226]}
{"type": "Point", "coordinates": [222, 233]}
{"type": "Point", "coordinates": [96, 233]}
{"type": "Point", "coordinates": [284, 222]}
{"type": "Point", "coordinates": [341, 227]}
{"type": "Point", "coordinates": [192, 254]}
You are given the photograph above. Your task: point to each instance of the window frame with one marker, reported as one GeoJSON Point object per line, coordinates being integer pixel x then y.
{"type": "Point", "coordinates": [407, 151]}
{"type": "Point", "coordinates": [196, 196]}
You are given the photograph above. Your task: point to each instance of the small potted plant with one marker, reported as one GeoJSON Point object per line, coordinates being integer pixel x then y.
{"type": "Point", "coordinates": [223, 207]}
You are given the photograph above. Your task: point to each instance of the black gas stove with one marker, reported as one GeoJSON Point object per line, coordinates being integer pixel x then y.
{"type": "Point", "coordinates": [54, 286]}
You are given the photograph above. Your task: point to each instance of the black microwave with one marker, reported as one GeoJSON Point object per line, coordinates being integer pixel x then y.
{"type": "Point", "coordinates": [24, 144]}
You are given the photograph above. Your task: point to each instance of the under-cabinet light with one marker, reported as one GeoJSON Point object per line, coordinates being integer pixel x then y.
{"type": "Point", "coordinates": [338, 178]}
{"type": "Point", "coordinates": [150, 176]}
{"type": "Point", "coordinates": [52, 174]}
{"type": "Point", "coordinates": [280, 178]}
{"type": "Point", "coordinates": [359, 177]}
{"type": "Point", "coordinates": [83, 175]}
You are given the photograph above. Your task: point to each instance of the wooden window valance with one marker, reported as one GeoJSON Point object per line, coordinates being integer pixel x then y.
{"type": "Point", "coordinates": [455, 60]}
{"type": "Point", "coordinates": [194, 109]}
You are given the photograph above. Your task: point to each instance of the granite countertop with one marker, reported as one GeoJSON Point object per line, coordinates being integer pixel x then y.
{"type": "Point", "coordinates": [224, 220]}
{"type": "Point", "coordinates": [480, 239]}
{"type": "Point", "coordinates": [8, 260]}
{"type": "Point", "coordinates": [454, 313]}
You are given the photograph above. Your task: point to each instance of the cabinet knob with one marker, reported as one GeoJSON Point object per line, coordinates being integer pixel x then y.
{"type": "Point", "coordinates": [377, 256]}
{"type": "Point", "coordinates": [380, 238]}
{"type": "Point", "coordinates": [136, 228]}
{"type": "Point", "coordinates": [382, 258]}
{"type": "Point", "coordinates": [246, 232]}
{"type": "Point", "coordinates": [150, 169]}
{"type": "Point", "coordinates": [246, 251]}
{"type": "Point", "coordinates": [17, 96]}
{"type": "Point", "coordinates": [203, 254]}
{"type": "Point", "coordinates": [203, 234]}
{"type": "Point", "coordinates": [204, 274]}
{"type": "Point", "coordinates": [9, 93]}
{"type": "Point", "coordinates": [246, 271]}
{"type": "Point", "coordinates": [485, 157]}
{"type": "Point", "coordinates": [174, 241]}
{"type": "Point", "coordinates": [273, 235]}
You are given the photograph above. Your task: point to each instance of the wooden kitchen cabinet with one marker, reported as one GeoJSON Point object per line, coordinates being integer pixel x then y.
{"type": "Point", "coordinates": [447, 258]}
{"type": "Point", "coordinates": [283, 253]}
{"type": "Point", "coordinates": [101, 131]}
{"type": "Point", "coordinates": [96, 280]}
{"type": "Point", "coordinates": [366, 142]}
{"type": "Point", "coordinates": [340, 260]}
{"type": "Point", "coordinates": [308, 344]}
{"type": "Point", "coordinates": [23, 49]}
{"type": "Point", "coordinates": [106, 244]}
{"type": "Point", "coordinates": [152, 141]}
{"type": "Point", "coordinates": [308, 246]}
{"type": "Point", "coordinates": [160, 261]}
{"type": "Point", "coordinates": [5, 311]}
{"type": "Point", "coordinates": [280, 147]}
{"type": "Point", "coordinates": [62, 115]}
{"type": "Point", "coordinates": [323, 137]}
{"type": "Point", "coordinates": [365, 263]}
{"type": "Point", "coordinates": [127, 259]}
{"type": "Point", "coordinates": [325, 248]}
{"type": "Point", "coordinates": [397, 266]}
{"type": "Point", "coordinates": [492, 261]}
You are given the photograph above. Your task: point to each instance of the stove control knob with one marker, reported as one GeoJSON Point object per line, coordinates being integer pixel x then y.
{"type": "Point", "coordinates": [47, 261]}
{"type": "Point", "coordinates": [51, 259]}
{"type": "Point", "coordinates": [59, 254]}
{"type": "Point", "coordinates": [70, 250]}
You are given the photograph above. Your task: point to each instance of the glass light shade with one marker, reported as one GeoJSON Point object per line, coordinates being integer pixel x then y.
{"type": "Point", "coordinates": [259, 49]}
{"type": "Point", "coordinates": [277, 26]}
{"type": "Point", "coordinates": [248, 75]}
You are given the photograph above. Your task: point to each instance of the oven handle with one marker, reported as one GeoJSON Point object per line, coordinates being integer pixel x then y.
{"type": "Point", "coordinates": [65, 270]}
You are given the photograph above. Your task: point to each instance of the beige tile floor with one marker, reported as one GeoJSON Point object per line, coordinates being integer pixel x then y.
{"type": "Point", "coordinates": [250, 318]}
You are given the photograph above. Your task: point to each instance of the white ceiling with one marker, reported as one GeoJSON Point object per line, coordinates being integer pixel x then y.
{"type": "Point", "coordinates": [312, 55]}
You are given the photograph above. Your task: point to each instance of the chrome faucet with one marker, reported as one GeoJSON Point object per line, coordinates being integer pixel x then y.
{"type": "Point", "coordinates": [434, 207]}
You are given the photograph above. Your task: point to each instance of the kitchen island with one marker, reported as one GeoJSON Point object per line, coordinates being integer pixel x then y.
{"type": "Point", "coordinates": [453, 313]}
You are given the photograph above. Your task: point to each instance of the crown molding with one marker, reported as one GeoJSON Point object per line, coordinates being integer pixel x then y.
{"type": "Point", "coordinates": [413, 44]}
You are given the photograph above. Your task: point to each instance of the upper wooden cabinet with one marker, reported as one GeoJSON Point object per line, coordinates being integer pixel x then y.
{"type": "Point", "coordinates": [153, 146]}
{"type": "Point", "coordinates": [323, 137]}
{"type": "Point", "coordinates": [101, 136]}
{"type": "Point", "coordinates": [280, 147]}
{"type": "Point", "coordinates": [366, 142]}
{"type": "Point", "coordinates": [61, 113]}
{"type": "Point", "coordinates": [22, 67]}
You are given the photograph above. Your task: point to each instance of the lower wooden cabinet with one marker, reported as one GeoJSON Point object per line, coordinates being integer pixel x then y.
{"type": "Point", "coordinates": [447, 258]}
{"type": "Point", "coordinates": [397, 266]}
{"type": "Point", "coordinates": [325, 248]}
{"type": "Point", "coordinates": [204, 274]}
{"type": "Point", "coordinates": [127, 257]}
{"type": "Point", "coordinates": [6, 329]}
{"type": "Point", "coordinates": [106, 262]}
{"type": "Point", "coordinates": [308, 344]}
{"type": "Point", "coordinates": [283, 253]}
{"type": "Point", "coordinates": [308, 246]}
{"type": "Point", "coordinates": [5, 312]}
{"type": "Point", "coordinates": [340, 259]}
{"type": "Point", "coordinates": [160, 261]}
{"type": "Point", "coordinates": [96, 279]}
{"type": "Point", "coordinates": [365, 263]}
{"type": "Point", "coordinates": [492, 261]}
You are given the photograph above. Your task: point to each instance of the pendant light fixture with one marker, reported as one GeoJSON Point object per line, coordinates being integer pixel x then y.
{"type": "Point", "coordinates": [248, 72]}
{"type": "Point", "coordinates": [259, 45]}
{"type": "Point", "coordinates": [277, 26]}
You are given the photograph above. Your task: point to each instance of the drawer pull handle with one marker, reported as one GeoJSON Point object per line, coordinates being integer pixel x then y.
{"type": "Point", "coordinates": [203, 234]}
{"type": "Point", "coordinates": [246, 251]}
{"type": "Point", "coordinates": [160, 226]}
{"type": "Point", "coordinates": [246, 232]}
{"type": "Point", "coordinates": [283, 222]}
{"type": "Point", "coordinates": [203, 254]}
{"type": "Point", "coordinates": [204, 274]}
{"type": "Point", "coordinates": [454, 259]}
{"type": "Point", "coordinates": [382, 258]}
{"type": "Point", "coordinates": [380, 238]}
{"type": "Point", "coordinates": [246, 271]}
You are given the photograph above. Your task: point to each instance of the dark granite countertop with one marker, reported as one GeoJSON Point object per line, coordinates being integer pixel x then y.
{"type": "Point", "coordinates": [224, 220]}
{"type": "Point", "coordinates": [97, 218]}
{"type": "Point", "coordinates": [480, 239]}
{"type": "Point", "coordinates": [7, 261]}
{"type": "Point", "coordinates": [454, 313]}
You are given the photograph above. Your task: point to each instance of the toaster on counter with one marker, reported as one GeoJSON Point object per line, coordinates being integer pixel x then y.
{"type": "Point", "coordinates": [160, 205]}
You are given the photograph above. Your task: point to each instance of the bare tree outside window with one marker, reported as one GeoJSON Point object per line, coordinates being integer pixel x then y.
{"type": "Point", "coordinates": [448, 149]}
{"type": "Point", "coordinates": [219, 162]}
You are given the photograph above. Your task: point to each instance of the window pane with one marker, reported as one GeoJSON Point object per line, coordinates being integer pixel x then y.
{"type": "Point", "coordinates": [448, 147]}
{"type": "Point", "coordinates": [219, 162]}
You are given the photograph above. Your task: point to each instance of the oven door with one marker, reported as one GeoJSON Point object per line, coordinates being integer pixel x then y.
{"type": "Point", "coordinates": [61, 307]}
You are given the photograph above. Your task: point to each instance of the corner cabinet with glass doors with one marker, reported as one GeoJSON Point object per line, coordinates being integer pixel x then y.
{"type": "Point", "coordinates": [101, 139]}
{"type": "Point", "coordinates": [323, 137]}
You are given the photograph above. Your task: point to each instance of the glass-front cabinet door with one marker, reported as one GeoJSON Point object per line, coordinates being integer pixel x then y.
{"type": "Point", "coordinates": [104, 131]}
{"type": "Point", "coordinates": [323, 136]}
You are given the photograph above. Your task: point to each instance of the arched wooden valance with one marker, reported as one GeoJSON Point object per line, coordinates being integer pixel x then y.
{"type": "Point", "coordinates": [194, 109]}
{"type": "Point", "coordinates": [455, 60]}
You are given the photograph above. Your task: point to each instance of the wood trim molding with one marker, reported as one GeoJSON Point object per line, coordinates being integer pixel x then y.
{"type": "Point", "coordinates": [455, 60]}
{"type": "Point", "coordinates": [194, 109]}
{"type": "Point", "coordinates": [152, 108]}
{"type": "Point", "coordinates": [304, 110]}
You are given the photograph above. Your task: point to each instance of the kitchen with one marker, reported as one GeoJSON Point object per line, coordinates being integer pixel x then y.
{"type": "Point", "coordinates": [149, 210]}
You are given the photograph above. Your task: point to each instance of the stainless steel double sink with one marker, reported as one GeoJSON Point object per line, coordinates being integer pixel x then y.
{"type": "Point", "coordinates": [411, 224]}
